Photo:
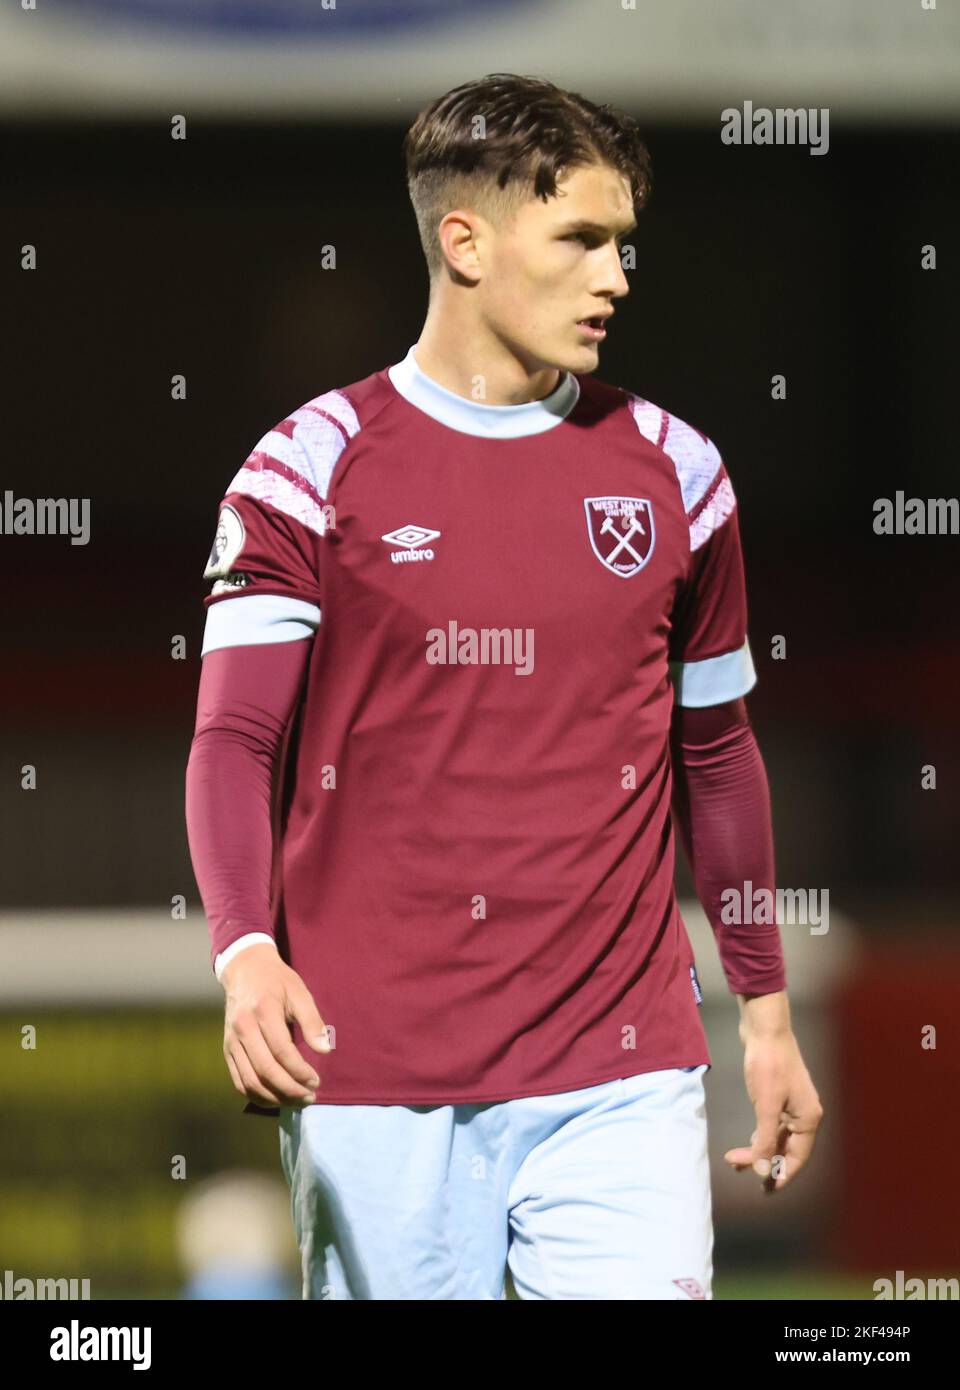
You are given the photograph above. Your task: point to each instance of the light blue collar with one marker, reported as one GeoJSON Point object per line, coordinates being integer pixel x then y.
{"type": "Point", "coordinates": [470, 417]}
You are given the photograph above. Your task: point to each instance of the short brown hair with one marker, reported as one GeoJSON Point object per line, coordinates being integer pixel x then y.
{"type": "Point", "coordinates": [533, 134]}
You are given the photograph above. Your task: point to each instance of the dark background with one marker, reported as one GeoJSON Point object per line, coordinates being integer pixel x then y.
{"type": "Point", "coordinates": [202, 257]}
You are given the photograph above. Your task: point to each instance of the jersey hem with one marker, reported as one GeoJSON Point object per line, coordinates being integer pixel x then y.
{"type": "Point", "coordinates": [553, 1088]}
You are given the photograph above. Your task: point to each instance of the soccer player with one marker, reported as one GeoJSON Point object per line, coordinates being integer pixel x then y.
{"type": "Point", "coordinates": [477, 632]}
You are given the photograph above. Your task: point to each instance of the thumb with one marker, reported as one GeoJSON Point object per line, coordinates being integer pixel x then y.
{"type": "Point", "coordinates": [765, 1141]}
{"type": "Point", "coordinates": [305, 1012]}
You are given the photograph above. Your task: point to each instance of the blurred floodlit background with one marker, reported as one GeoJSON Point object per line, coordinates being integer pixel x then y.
{"type": "Point", "coordinates": [124, 1157]}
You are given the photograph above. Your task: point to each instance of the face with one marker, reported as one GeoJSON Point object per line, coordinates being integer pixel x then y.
{"type": "Point", "coordinates": [555, 265]}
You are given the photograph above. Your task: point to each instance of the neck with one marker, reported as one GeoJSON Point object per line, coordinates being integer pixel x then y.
{"type": "Point", "coordinates": [455, 351]}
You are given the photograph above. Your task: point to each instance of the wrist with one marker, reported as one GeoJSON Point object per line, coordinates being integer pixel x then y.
{"type": "Point", "coordinates": [764, 1016]}
{"type": "Point", "coordinates": [242, 943]}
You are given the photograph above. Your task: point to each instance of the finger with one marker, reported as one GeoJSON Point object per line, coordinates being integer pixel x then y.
{"type": "Point", "coordinates": [303, 1011]}
{"type": "Point", "coordinates": [739, 1158]}
{"type": "Point", "coordinates": [252, 1087]}
{"type": "Point", "coordinates": [746, 1157]}
{"type": "Point", "coordinates": [235, 1075]}
{"type": "Point", "coordinates": [766, 1135]}
{"type": "Point", "coordinates": [798, 1149]}
{"type": "Point", "coordinates": [793, 1151]}
{"type": "Point", "coordinates": [274, 1028]}
{"type": "Point", "coordinates": [780, 1164]}
{"type": "Point", "coordinates": [269, 1071]}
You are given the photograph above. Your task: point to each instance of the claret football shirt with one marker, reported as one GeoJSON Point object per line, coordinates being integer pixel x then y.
{"type": "Point", "coordinates": [475, 852]}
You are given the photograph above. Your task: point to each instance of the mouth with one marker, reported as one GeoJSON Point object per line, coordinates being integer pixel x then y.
{"type": "Point", "coordinates": [593, 328]}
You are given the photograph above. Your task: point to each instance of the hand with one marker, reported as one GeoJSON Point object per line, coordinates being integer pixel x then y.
{"type": "Point", "coordinates": [787, 1106]}
{"type": "Point", "coordinates": [263, 996]}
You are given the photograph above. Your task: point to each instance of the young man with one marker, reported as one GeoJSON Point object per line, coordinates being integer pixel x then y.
{"type": "Point", "coordinates": [459, 608]}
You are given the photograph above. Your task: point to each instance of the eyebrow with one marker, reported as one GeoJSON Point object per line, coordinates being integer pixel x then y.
{"type": "Point", "coordinates": [584, 225]}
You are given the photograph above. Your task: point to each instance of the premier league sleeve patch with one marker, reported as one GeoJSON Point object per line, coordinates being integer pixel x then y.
{"type": "Point", "coordinates": [227, 544]}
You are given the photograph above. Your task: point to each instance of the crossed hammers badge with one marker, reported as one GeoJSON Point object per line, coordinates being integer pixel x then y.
{"type": "Point", "coordinates": [621, 532]}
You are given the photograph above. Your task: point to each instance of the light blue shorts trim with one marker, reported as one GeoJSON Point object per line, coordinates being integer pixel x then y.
{"type": "Point", "coordinates": [601, 1193]}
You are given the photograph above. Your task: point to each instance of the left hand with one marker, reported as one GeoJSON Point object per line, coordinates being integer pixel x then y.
{"type": "Point", "coordinates": [788, 1111]}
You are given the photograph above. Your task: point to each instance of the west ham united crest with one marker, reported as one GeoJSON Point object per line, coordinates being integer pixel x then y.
{"type": "Point", "coordinates": [621, 532]}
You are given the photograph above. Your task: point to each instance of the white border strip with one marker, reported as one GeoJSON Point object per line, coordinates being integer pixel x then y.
{"type": "Point", "coordinates": [716, 680]}
{"type": "Point", "coordinates": [247, 620]}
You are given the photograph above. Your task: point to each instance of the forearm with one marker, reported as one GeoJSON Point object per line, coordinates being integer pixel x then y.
{"type": "Point", "coordinates": [722, 812]}
{"type": "Point", "coordinates": [244, 703]}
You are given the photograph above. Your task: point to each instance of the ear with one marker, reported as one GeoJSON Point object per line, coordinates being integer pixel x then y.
{"type": "Point", "coordinates": [458, 232]}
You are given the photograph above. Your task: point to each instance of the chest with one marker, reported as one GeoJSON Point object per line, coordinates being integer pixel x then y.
{"type": "Point", "coordinates": [585, 543]}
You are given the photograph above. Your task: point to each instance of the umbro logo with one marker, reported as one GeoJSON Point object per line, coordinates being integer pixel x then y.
{"type": "Point", "coordinates": [413, 542]}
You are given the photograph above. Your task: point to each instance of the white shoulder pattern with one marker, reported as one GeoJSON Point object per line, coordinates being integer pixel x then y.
{"type": "Point", "coordinates": [708, 496]}
{"type": "Point", "coordinates": [291, 466]}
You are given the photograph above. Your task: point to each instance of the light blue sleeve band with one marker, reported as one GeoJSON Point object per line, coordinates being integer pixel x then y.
{"type": "Point", "coordinates": [251, 619]}
{"type": "Point", "coordinates": [714, 681]}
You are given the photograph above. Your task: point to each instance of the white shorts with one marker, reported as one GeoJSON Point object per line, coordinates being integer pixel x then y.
{"type": "Point", "coordinates": [598, 1193]}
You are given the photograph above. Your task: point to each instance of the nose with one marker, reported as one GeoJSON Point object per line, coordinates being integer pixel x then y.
{"type": "Point", "coordinates": [613, 280]}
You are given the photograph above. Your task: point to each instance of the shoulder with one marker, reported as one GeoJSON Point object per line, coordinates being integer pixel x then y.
{"type": "Point", "coordinates": [291, 465]}
{"type": "Point", "coordinates": [695, 458]}
{"type": "Point", "coordinates": [694, 455]}
{"type": "Point", "coordinates": [702, 477]}
{"type": "Point", "coordinates": [309, 440]}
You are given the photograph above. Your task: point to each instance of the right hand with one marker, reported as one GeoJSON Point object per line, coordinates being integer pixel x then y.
{"type": "Point", "coordinates": [263, 996]}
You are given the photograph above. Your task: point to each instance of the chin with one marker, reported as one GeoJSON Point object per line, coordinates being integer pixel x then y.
{"type": "Point", "coordinates": [583, 358]}
{"type": "Point", "coordinates": [579, 357]}
{"type": "Point", "coordinates": [565, 356]}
